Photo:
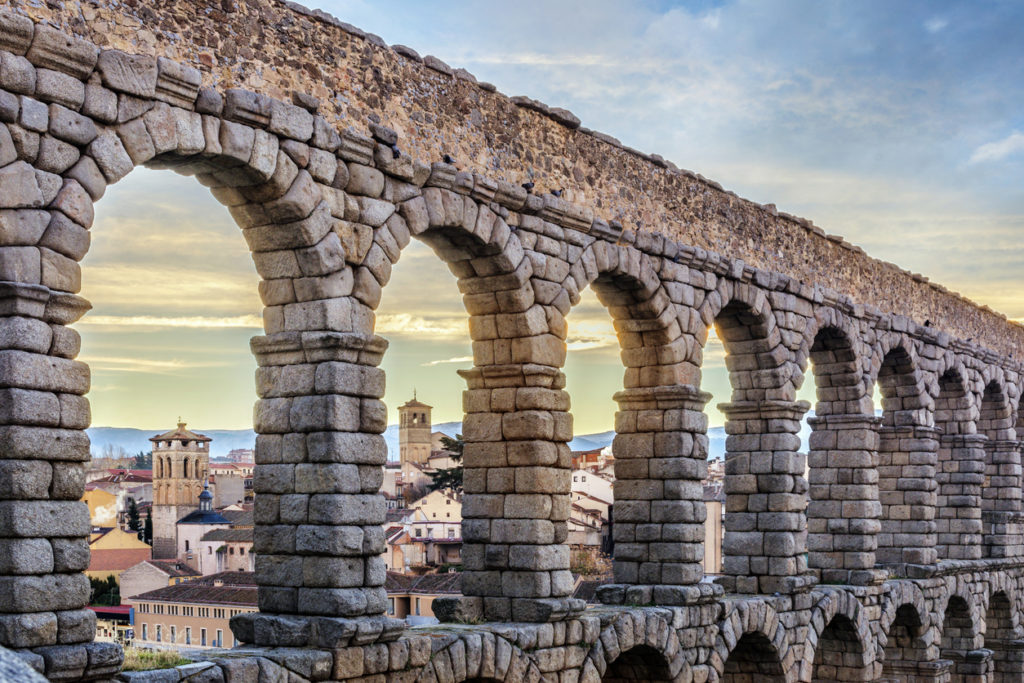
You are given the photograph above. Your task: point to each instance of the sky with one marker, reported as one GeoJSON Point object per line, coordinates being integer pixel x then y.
{"type": "Point", "coordinates": [897, 125]}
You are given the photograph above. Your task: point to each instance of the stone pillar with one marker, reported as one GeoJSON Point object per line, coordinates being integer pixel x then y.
{"type": "Point", "coordinates": [1007, 659]}
{"type": "Point", "coordinates": [44, 528]}
{"type": "Point", "coordinates": [765, 522]}
{"type": "Point", "coordinates": [660, 452]}
{"type": "Point", "coordinates": [318, 507]}
{"type": "Point", "coordinates": [961, 466]}
{"type": "Point", "coordinates": [901, 671]}
{"type": "Point", "coordinates": [1001, 500]}
{"type": "Point", "coordinates": [843, 513]}
{"type": "Point", "coordinates": [907, 490]}
{"type": "Point", "coordinates": [517, 492]}
{"type": "Point", "coordinates": [970, 666]}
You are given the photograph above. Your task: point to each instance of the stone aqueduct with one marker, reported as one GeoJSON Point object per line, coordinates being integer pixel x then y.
{"type": "Point", "coordinates": [905, 565]}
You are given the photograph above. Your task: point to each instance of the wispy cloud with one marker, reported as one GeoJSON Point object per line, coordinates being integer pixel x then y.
{"type": "Point", "coordinates": [411, 324]}
{"type": "Point", "coordinates": [144, 365]}
{"type": "Point", "coordinates": [935, 24]}
{"type": "Point", "coordinates": [246, 321]}
{"type": "Point", "coordinates": [1000, 149]}
{"type": "Point", "coordinates": [455, 360]}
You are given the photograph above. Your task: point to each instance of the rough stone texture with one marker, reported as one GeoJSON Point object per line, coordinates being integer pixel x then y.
{"type": "Point", "coordinates": [915, 517]}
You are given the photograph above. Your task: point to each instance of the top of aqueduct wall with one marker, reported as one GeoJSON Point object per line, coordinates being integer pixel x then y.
{"type": "Point", "coordinates": [280, 48]}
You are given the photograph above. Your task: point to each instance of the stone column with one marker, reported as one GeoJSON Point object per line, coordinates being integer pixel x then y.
{"type": "Point", "coordinates": [517, 493]}
{"type": "Point", "coordinates": [1001, 500]}
{"type": "Point", "coordinates": [843, 513]}
{"type": "Point", "coordinates": [44, 528]}
{"type": "Point", "coordinates": [961, 466]}
{"type": "Point", "coordinates": [765, 522]}
{"type": "Point", "coordinates": [907, 490]}
{"type": "Point", "coordinates": [318, 507]}
{"type": "Point", "coordinates": [660, 452]}
{"type": "Point", "coordinates": [902, 671]}
{"type": "Point", "coordinates": [1007, 659]}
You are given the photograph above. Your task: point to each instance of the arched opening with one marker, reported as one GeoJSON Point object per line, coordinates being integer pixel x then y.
{"type": "Point", "coordinates": [593, 376]}
{"type": "Point", "coordinates": [907, 448]}
{"type": "Point", "coordinates": [764, 546]}
{"type": "Point", "coordinates": [1001, 493]}
{"type": "Point", "coordinates": [959, 637]}
{"type": "Point", "coordinates": [905, 648]}
{"type": "Point", "coordinates": [839, 655]}
{"type": "Point", "coordinates": [1002, 636]}
{"type": "Point", "coordinates": [960, 461]}
{"type": "Point", "coordinates": [843, 512]}
{"type": "Point", "coordinates": [641, 663]}
{"type": "Point", "coordinates": [754, 659]}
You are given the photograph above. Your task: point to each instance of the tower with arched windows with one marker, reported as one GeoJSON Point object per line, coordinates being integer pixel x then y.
{"type": "Point", "coordinates": [414, 432]}
{"type": "Point", "coordinates": [181, 465]}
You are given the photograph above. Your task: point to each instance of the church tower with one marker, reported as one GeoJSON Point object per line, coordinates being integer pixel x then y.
{"type": "Point", "coordinates": [181, 467]}
{"type": "Point", "coordinates": [414, 432]}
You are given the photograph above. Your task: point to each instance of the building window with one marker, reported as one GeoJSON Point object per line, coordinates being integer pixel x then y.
{"type": "Point", "coordinates": [187, 546]}
{"type": "Point", "coordinates": [417, 606]}
{"type": "Point", "coordinates": [145, 631]}
{"type": "Point", "coordinates": [391, 606]}
{"type": "Point", "coordinates": [220, 638]}
{"type": "Point", "coordinates": [159, 633]}
{"type": "Point", "coordinates": [188, 635]}
{"type": "Point", "coordinates": [575, 478]}
{"type": "Point", "coordinates": [174, 634]}
{"type": "Point", "coordinates": [447, 501]}
{"type": "Point", "coordinates": [448, 514]}
{"type": "Point", "coordinates": [202, 637]}
{"type": "Point", "coordinates": [231, 550]}
{"type": "Point", "coordinates": [451, 533]}
{"type": "Point", "coordinates": [419, 533]}
{"type": "Point", "coordinates": [209, 550]}
{"type": "Point", "coordinates": [241, 551]}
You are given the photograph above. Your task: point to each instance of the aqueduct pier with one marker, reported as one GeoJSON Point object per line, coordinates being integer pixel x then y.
{"type": "Point", "coordinates": [325, 146]}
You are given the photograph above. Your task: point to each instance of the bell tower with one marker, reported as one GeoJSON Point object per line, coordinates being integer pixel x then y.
{"type": "Point", "coordinates": [181, 466]}
{"type": "Point", "coordinates": [414, 432]}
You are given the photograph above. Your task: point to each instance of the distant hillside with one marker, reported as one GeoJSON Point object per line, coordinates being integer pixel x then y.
{"type": "Point", "coordinates": [224, 440]}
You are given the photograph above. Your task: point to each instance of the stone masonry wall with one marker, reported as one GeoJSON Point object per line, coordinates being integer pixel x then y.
{"type": "Point", "coordinates": [277, 48]}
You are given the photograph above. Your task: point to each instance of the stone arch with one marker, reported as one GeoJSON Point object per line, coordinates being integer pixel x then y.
{"type": "Point", "coordinates": [960, 465]}
{"type": "Point", "coordinates": [1002, 630]}
{"type": "Point", "coordinates": [907, 454]}
{"type": "Point", "coordinates": [480, 657]}
{"type": "Point", "coordinates": [752, 638]}
{"type": "Point", "coordinates": [960, 635]}
{"type": "Point", "coordinates": [902, 628]}
{"type": "Point", "coordinates": [840, 644]}
{"type": "Point", "coordinates": [637, 645]}
{"type": "Point", "coordinates": [842, 515]}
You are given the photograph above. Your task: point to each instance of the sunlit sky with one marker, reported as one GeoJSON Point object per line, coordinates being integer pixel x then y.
{"type": "Point", "coordinates": [897, 125]}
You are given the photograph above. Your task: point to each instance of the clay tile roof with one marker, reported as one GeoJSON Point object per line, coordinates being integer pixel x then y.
{"type": "Point", "coordinates": [117, 559]}
{"type": "Point", "coordinates": [174, 568]}
{"type": "Point", "coordinates": [180, 434]}
{"type": "Point", "coordinates": [236, 588]}
{"type": "Point", "coordinates": [428, 583]}
{"type": "Point", "coordinates": [229, 535]}
{"type": "Point", "coordinates": [238, 518]}
{"type": "Point", "coordinates": [415, 404]}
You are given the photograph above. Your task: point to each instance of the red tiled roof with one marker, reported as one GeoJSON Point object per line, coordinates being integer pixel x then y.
{"type": "Point", "coordinates": [237, 588]}
{"type": "Point", "coordinates": [117, 559]}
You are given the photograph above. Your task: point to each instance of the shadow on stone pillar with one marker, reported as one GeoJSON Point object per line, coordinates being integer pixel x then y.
{"type": "Point", "coordinates": [907, 489]}
{"type": "Point", "coordinates": [517, 495]}
{"type": "Point", "coordinates": [318, 507]}
{"type": "Point", "coordinates": [1003, 518]}
{"type": "Point", "coordinates": [660, 450]}
{"type": "Point", "coordinates": [843, 516]}
{"type": "Point", "coordinates": [765, 520]}
{"type": "Point", "coordinates": [961, 467]}
{"type": "Point", "coordinates": [44, 528]}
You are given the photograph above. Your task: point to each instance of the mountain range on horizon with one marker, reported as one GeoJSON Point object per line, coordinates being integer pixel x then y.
{"type": "Point", "coordinates": [224, 440]}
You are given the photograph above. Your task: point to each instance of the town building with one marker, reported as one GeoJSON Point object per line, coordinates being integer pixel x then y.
{"type": "Point", "coordinates": [191, 528]}
{"type": "Point", "coordinates": [414, 436]}
{"type": "Point", "coordinates": [231, 483]}
{"type": "Point", "coordinates": [112, 551]}
{"type": "Point", "coordinates": [193, 614]}
{"type": "Point", "coordinates": [181, 464]}
{"type": "Point", "coordinates": [425, 536]}
{"type": "Point", "coordinates": [149, 575]}
{"type": "Point", "coordinates": [412, 597]}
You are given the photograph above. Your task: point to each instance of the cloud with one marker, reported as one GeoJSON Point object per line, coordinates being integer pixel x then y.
{"type": "Point", "coordinates": [246, 321]}
{"type": "Point", "coordinates": [1000, 149]}
{"type": "Point", "coordinates": [144, 365]}
{"type": "Point", "coordinates": [935, 24]}
{"type": "Point", "coordinates": [456, 360]}
{"type": "Point", "coordinates": [410, 324]}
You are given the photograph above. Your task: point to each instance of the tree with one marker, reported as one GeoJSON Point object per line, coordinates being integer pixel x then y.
{"type": "Point", "coordinates": [147, 530]}
{"type": "Point", "coordinates": [105, 591]}
{"type": "Point", "coordinates": [450, 479]}
{"type": "Point", "coordinates": [142, 461]}
{"type": "Point", "coordinates": [134, 522]}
